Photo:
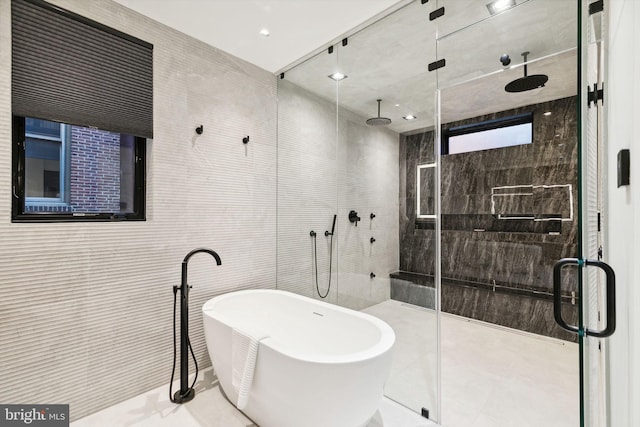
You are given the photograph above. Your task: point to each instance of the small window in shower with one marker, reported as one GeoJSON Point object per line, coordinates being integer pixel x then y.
{"type": "Point", "coordinates": [487, 135]}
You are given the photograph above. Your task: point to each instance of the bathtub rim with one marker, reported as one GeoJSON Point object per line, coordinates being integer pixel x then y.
{"type": "Point", "coordinates": [383, 345]}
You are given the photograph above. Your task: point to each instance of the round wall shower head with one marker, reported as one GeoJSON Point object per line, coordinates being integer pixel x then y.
{"type": "Point", "coordinates": [378, 121]}
{"type": "Point", "coordinates": [526, 83]}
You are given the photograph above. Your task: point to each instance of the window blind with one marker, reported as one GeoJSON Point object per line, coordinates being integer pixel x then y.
{"type": "Point", "coordinates": [70, 69]}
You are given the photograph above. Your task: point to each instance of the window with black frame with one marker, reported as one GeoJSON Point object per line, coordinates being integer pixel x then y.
{"type": "Point", "coordinates": [77, 172]}
{"type": "Point", "coordinates": [487, 135]}
{"type": "Point", "coordinates": [82, 114]}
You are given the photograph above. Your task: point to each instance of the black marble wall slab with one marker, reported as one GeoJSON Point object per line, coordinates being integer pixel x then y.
{"type": "Point", "coordinates": [414, 288]}
{"type": "Point", "coordinates": [521, 312]}
{"type": "Point", "coordinates": [485, 222]}
{"type": "Point", "coordinates": [529, 310]}
{"type": "Point", "coordinates": [477, 244]}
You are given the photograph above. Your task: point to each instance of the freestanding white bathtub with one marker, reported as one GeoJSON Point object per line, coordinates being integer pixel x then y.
{"type": "Point", "coordinates": [317, 364]}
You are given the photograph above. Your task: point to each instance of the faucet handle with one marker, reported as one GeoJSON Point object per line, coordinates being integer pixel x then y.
{"type": "Point", "coordinates": [353, 217]}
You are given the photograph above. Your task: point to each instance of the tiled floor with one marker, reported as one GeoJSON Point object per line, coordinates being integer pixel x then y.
{"type": "Point", "coordinates": [211, 409]}
{"type": "Point", "coordinates": [491, 377]}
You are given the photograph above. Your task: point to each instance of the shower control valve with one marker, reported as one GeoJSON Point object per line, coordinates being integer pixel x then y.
{"type": "Point", "coordinates": [353, 217]}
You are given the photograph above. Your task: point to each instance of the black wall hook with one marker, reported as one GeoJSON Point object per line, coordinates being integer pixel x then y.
{"type": "Point", "coordinates": [199, 130]}
{"type": "Point", "coordinates": [245, 140]}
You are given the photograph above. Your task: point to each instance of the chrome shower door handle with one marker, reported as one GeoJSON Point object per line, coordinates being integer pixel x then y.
{"type": "Point", "coordinates": [610, 296]}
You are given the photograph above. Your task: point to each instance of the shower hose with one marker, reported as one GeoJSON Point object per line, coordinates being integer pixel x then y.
{"type": "Point", "coordinates": [315, 258]}
{"type": "Point", "coordinates": [173, 370]}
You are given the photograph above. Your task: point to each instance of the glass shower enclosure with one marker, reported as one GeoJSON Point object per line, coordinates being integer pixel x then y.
{"type": "Point", "coordinates": [392, 200]}
{"type": "Point", "coordinates": [338, 156]}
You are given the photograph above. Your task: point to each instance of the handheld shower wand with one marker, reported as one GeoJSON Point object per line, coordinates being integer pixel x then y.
{"type": "Point", "coordinates": [315, 256]}
{"type": "Point", "coordinates": [333, 227]}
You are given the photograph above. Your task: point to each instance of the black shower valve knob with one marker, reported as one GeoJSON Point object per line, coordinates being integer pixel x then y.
{"type": "Point", "coordinates": [354, 218]}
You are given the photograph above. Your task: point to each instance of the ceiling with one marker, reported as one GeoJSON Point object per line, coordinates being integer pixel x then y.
{"type": "Point", "coordinates": [297, 27]}
{"type": "Point", "coordinates": [387, 57]}
{"type": "Point", "coordinates": [389, 60]}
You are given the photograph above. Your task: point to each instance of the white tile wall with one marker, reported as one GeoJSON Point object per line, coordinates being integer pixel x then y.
{"type": "Point", "coordinates": [307, 182]}
{"type": "Point", "coordinates": [368, 165]}
{"type": "Point", "coordinates": [330, 164]}
{"type": "Point", "coordinates": [86, 308]}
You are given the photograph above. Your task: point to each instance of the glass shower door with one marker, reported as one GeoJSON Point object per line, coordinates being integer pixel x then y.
{"type": "Point", "coordinates": [332, 160]}
{"type": "Point", "coordinates": [597, 279]}
{"type": "Point", "coordinates": [307, 178]}
{"type": "Point", "coordinates": [509, 194]}
{"type": "Point", "coordinates": [387, 262]}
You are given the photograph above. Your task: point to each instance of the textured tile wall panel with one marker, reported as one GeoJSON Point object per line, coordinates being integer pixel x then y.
{"type": "Point", "coordinates": [330, 165]}
{"type": "Point", "coordinates": [86, 312]}
{"type": "Point", "coordinates": [307, 189]}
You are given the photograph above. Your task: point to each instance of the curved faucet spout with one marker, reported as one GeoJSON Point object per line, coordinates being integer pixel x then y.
{"type": "Point", "coordinates": [183, 286]}
{"type": "Point", "coordinates": [205, 250]}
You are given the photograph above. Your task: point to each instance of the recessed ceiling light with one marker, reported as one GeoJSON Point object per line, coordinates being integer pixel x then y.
{"type": "Point", "coordinates": [265, 32]}
{"type": "Point", "coordinates": [548, 113]}
{"type": "Point", "coordinates": [498, 6]}
{"type": "Point", "coordinates": [337, 76]}
{"type": "Point", "coordinates": [409, 117]}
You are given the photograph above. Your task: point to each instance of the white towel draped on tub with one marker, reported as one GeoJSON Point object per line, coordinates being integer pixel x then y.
{"type": "Point", "coordinates": [244, 354]}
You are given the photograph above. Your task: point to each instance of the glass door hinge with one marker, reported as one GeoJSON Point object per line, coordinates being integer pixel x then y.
{"type": "Point", "coordinates": [436, 14]}
{"type": "Point", "coordinates": [595, 95]}
{"type": "Point", "coordinates": [425, 413]}
{"type": "Point", "coordinates": [596, 6]}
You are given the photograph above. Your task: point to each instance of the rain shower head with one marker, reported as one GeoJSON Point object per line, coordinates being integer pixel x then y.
{"type": "Point", "coordinates": [527, 82]}
{"type": "Point", "coordinates": [378, 121]}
